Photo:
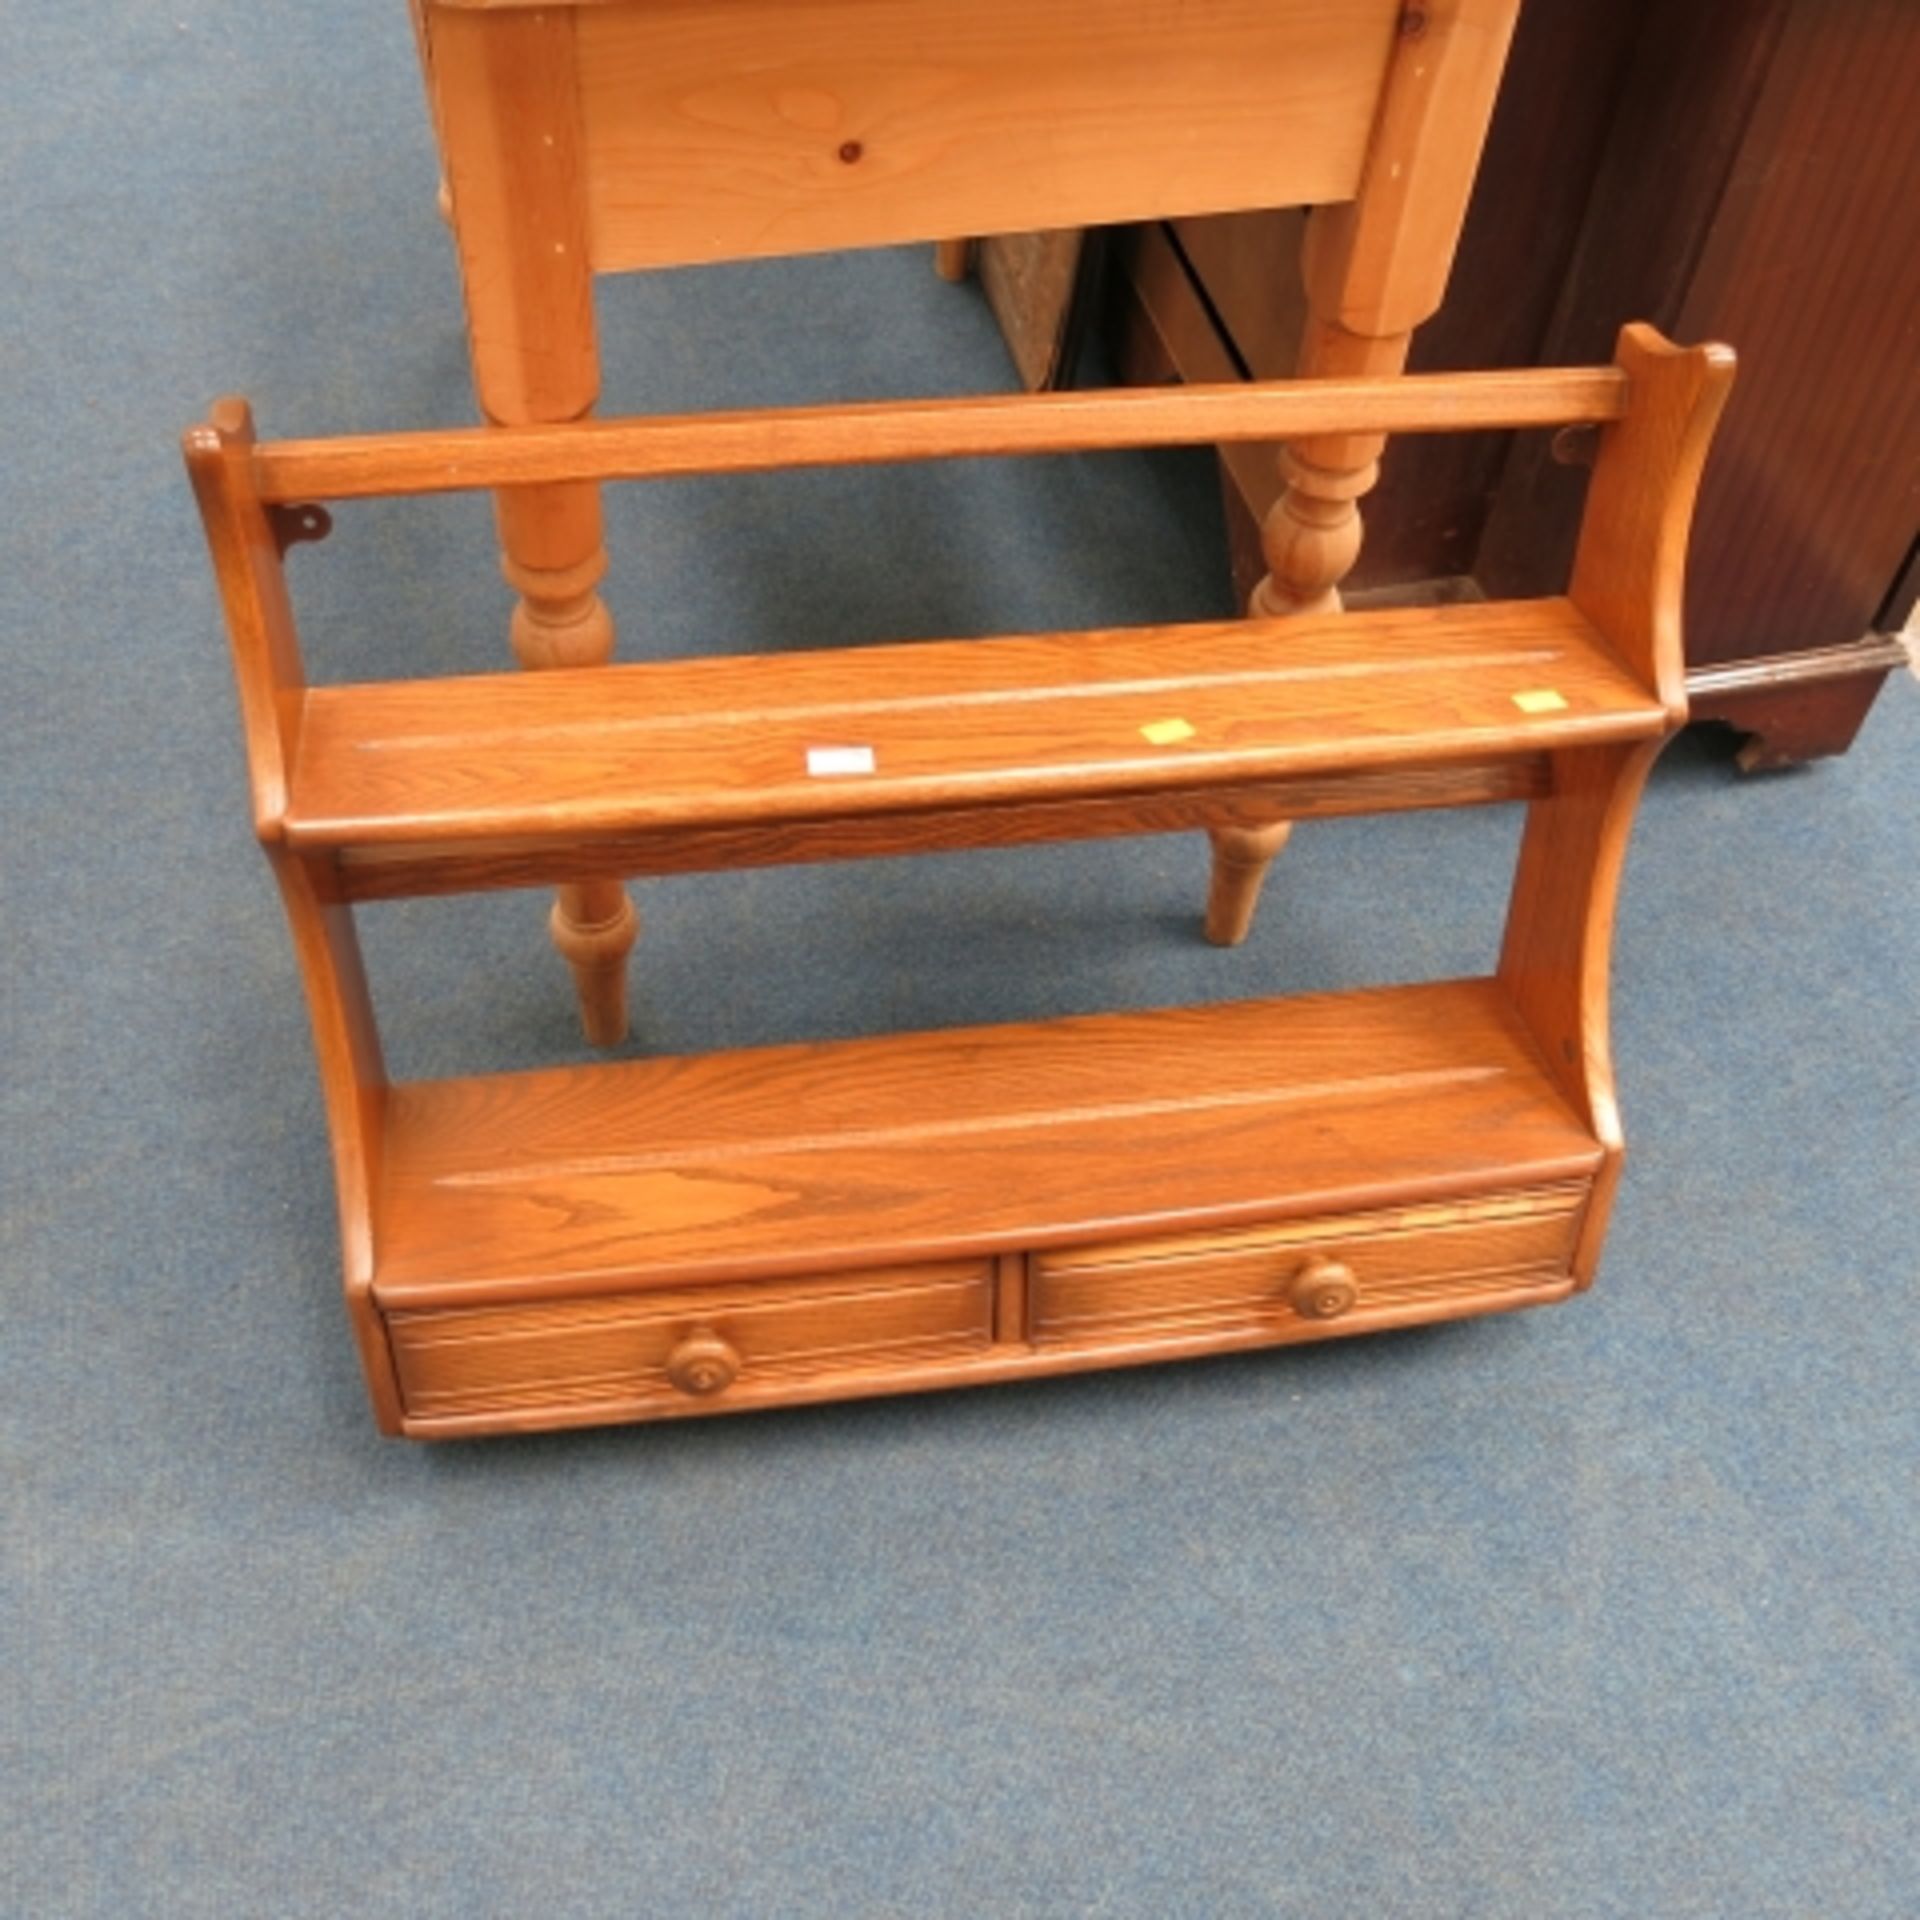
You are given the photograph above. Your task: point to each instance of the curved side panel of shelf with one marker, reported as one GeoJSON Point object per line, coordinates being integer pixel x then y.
{"type": "Point", "coordinates": [353, 1083]}
{"type": "Point", "coordinates": [1628, 579]}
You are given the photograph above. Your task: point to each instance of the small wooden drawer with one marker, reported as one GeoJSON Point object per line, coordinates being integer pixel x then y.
{"type": "Point", "coordinates": [690, 1347]}
{"type": "Point", "coordinates": [1300, 1272]}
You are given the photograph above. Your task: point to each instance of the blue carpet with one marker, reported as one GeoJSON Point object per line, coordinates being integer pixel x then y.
{"type": "Point", "coordinates": [1605, 1610]}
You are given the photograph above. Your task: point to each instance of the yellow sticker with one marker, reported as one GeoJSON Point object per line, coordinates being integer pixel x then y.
{"type": "Point", "coordinates": [1540, 700]}
{"type": "Point", "coordinates": [1168, 733]}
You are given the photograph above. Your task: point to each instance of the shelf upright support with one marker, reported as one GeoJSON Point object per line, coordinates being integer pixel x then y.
{"type": "Point", "coordinates": [246, 543]}
{"type": "Point", "coordinates": [1628, 579]}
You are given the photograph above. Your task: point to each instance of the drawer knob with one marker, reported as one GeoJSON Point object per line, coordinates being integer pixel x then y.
{"type": "Point", "coordinates": [702, 1363]}
{"type": "Point", "coordinates": [1323, 1290]}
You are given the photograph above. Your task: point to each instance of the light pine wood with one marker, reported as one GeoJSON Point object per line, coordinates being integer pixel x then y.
{"type": "Point", "coordinates": [1375, 266]}
{"type": "Point", "coordinates": [1311, 535]}
{"type": "Point", "coordinates": [506, 110]}
{"type": "Point", "coordinates": [724, 131]}
{"type": "Point", "coordinates": [689, 1236]}
{"type": "Point", "coordinates": [507, 114]}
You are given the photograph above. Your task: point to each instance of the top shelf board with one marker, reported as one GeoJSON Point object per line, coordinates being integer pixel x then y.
{"type": "Point", "coordinates": [762, 739]}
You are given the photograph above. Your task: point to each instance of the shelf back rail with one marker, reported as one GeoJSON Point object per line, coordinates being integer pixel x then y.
{"type": "Point", "coordinates": [875, 432]}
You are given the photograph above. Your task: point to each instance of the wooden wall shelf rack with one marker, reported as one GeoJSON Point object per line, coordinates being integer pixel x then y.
{"type": "Point", "coordinates": [688, 1236]}
{"type": "Point", "coordinates": [581, 138]}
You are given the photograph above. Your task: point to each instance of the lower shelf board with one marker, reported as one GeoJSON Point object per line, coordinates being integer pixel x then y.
{"type": "Point", "coordinates": [695, 1235]}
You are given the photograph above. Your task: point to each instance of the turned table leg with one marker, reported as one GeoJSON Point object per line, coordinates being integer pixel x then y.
{"type": "Point", "coordinates": [553, 556]}
{"type": "Point", "coordinates": [1374, 267]}
{"type": "Point", "coordinates": [1310, 540]}
{"type": "Point", "coordinates": [1311, 535]}
{"type": "Point", "coordinates": [503, 87]}
{"type": "Point", "coordinates": [1241, 857]}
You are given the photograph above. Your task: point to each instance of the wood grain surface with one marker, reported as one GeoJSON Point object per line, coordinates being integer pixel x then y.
{"type": "Point", "coordinates": [607, 1398]}
{"type": "Point", "coordinates": [587, 1349]}
{"type": "Point", "coordinates": [789, 126]}
{"type": "Point", "coordinates": [505, 109]}
{"type": "Point", "coordinates": [774, 1342]}
{"type": "Point", "coordinates": [400, 871]}
{"type": "Point", "coordinates": [1244, 1276]}
{"type": "Point", "coordinates": [870, 432]}
{"type": "Point", "coordinates": [807, 1159]}
{"type": "Point", "coordinates": [1376, 264]}
{"type": "Point", "coordinates": [767, 1226]}
{"type": "Point", "coordinates": [1630, 568]}
{"type": "Point", "coordinates": [773, 738]}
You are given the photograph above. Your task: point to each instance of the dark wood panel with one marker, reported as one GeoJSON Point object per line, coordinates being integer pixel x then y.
{"type": "Point", "coordinates": [1697, 71]}
{"type": "Point", "coordinates": [1762, 185]}
{"type": "Point", "coordinates": [1813, 269]}
{"type": "Point", "coordinates": [1795, 706]}
{"type": "Point", "coordinates": [1041, 287]}
{"type": "Point", "coordinates": [1562, 92]}
{"type": "Point", "coordinates": [1784, 216]}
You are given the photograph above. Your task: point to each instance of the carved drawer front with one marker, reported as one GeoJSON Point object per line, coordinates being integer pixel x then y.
{"type": "Point", "coordinates": [1365, 1267]}
{"type": "Point", "coordinates": [690, 1347]}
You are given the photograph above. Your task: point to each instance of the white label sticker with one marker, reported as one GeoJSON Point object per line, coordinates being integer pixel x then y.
{"type": "Point", "coordinates": [826, 761]}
